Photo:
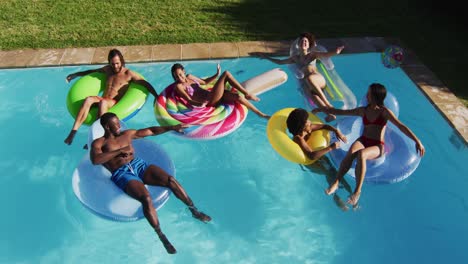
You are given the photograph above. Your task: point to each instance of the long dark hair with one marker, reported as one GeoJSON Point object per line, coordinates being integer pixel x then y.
{"type": "Point", "coordinates": [174, 68]}
{"type": "Point", "coordinates": [113, 53]}
{"type": "Point", "coordinates": [309, 37]}
{"type": "Point", "coordinates": [378, 93]}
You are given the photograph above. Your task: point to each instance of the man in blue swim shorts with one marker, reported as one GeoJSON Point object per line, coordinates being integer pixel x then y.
{"type": "Point", "coordinates": [133, 170]}
{"type": "Point", "coordinates": [115, 151]}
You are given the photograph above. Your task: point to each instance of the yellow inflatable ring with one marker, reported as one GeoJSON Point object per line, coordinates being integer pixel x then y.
{"type": "Point", "coordinates": [282, 142]}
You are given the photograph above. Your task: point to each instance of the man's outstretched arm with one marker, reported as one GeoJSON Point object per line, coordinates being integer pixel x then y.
{"type": "Point", "coordinates": [157, 130]}
{"type": "Point", "coordinates": [83, 73]}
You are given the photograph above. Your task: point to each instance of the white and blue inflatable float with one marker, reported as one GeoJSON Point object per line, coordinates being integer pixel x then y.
{"type": "Point", "coordinates": [339, 94]}
{"type": "Point", "coordinates": [400, 159]}
{"type": "Point", "coordinates": [95, 190]}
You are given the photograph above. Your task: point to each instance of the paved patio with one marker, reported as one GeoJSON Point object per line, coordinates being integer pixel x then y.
{"type": "Point", "coordinates": [439, 95]}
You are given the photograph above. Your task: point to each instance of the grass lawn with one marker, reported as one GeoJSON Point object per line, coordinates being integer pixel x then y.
{"type": "Point", "coordinates": [433, 30]}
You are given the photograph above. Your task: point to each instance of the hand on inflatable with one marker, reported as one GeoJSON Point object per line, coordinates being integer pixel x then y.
{"type": "Point", "coordinates": [302, 135]}
{"type": "Point", "coordinates": [70, 77]}
{"type": "Point", "coordinates": [180, 127]}
{"type": "Point", "coordinates": [339, 49]}
{"type": "Point", "coordinates": [204, 103]}
{"type": "Point", "coordinates": [341, 137]}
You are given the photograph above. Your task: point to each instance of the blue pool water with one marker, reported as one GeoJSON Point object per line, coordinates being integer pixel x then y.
{"type": "Point", "coordinates": [264, 208]}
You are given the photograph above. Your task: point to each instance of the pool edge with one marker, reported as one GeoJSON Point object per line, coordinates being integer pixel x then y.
{"type": "Point", "coordinates": [438, 94]}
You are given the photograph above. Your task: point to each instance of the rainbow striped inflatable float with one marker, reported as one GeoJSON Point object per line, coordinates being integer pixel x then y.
{"type": "Point", "coordinates": [206, 122]}
{"type": "Point", "coordinates": [211, 122]}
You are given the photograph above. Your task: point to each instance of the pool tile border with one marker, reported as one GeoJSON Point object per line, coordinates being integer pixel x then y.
{"type": "Point", "coordinates": [438, 94]}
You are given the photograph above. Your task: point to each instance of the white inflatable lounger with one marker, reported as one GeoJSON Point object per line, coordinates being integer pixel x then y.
{"type": "Point", "coordinates": [265, 81]}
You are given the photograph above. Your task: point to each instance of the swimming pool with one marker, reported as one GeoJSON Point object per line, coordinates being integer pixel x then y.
{"type": "Point", "coordinates": [264, 208]}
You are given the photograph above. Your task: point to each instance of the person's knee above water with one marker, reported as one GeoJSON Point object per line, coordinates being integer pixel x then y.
{"type": "Point", "coordinates": [188, 88]}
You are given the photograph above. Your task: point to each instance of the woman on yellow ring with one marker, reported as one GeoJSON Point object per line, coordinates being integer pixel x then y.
{"type": "Point", "coordinates": [310, 136]}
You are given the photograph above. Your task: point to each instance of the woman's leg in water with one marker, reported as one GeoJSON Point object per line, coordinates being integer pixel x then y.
{"type": "Point", "coordinates": [363, 155]}
{"type": "Point", "coordinates": [345, 166]}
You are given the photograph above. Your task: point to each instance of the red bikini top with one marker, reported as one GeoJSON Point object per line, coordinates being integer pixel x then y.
{"type": "Point", "coordinates": [379, 121]}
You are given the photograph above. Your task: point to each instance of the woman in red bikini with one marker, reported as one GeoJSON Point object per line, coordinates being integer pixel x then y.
{"type": "Point", "coordinates": [371, 143]}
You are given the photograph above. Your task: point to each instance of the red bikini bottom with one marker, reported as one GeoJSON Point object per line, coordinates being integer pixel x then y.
{"type": "Point", "coordinates": [369, 142]}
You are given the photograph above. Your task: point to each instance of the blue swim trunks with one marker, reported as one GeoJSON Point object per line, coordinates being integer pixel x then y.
{"type": "Point", "coordinates": [133, 170]}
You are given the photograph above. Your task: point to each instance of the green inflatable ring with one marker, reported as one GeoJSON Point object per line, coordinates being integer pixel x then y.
{"type": "Point", "coordinates": [93, 85]}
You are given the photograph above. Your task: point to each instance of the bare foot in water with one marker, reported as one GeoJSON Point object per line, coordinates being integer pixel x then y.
{"type": "Point", "coordinates": [330, 118]}
{"type": "Point", "coordinates": [332, 189]}
{"type": "Point", "coordinates": [252, 97]}
{"type": "Point", "coordinates": [199, 215]}
{"type": "Point", "coordinates": [340, 203]}
{"type": "Point", "coordinates": [356, 207]}
{"type": "Point", "coordinates": [167, 245]}
{"type": "Point", "coordinates": [354, 198]}
{"type": "Point", "coordinates": [70, 137]}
